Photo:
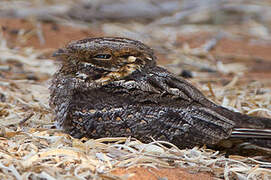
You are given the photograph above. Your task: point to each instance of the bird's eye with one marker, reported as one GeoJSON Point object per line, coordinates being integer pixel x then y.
{"type": "Point", "coordinates": [102, 56]}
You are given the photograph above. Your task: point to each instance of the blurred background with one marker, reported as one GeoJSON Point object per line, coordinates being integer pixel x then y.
{"type": "Point", "coordinates": [223, 47]}
{"type": "Point", "coordinates": [182, 32]}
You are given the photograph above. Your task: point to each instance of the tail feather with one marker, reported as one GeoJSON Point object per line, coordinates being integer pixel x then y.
{"type": "Point", "coordinates": [251, 129]}
{"type": "Point", "coordinates": [251, 133]}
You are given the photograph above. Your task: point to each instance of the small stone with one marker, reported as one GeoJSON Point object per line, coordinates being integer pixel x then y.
{"type": "Point", "coordinates": [186, 74]}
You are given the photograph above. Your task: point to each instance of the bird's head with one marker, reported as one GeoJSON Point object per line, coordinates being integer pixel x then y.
{"type": "Point", "coordinates": [105, 59]}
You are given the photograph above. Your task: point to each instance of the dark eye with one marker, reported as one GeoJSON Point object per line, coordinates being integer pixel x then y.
{"type": "Point", "coordinates": [102, 56]}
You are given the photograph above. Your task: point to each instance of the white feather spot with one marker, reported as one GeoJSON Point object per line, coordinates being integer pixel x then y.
{"type": "Point", "coordinates": [81, 75]}
{"type": "Point", "coordinates": [131, 59]}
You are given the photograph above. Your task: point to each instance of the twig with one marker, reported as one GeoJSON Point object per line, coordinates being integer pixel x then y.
{"type": "Point", "coordinates": [26, 118]}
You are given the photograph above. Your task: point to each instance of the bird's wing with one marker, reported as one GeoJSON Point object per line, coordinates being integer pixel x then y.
{"type": "Point", "coordinates": [160, 88]}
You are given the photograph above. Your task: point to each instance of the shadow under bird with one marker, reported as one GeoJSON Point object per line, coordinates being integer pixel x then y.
{"type": "Point", "coordinates": [112, 87]}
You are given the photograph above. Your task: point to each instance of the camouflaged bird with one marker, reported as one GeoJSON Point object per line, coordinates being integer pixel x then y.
{"type": "Point", "coordinates": [112, 87]}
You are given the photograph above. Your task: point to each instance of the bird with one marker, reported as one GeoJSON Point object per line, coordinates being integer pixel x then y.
{"type": "Point", "coordinates": [113, 87]}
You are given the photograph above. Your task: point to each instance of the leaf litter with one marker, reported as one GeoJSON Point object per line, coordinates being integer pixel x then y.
{"type": "Point", "coordinates": [31, 147]}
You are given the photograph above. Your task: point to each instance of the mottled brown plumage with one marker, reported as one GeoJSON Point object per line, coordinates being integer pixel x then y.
{"type": "Point", "coordinates": [111, 87]}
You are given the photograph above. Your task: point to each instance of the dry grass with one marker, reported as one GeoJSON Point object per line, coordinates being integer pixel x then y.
{"type": "Point", "coordinates": [31, 149]}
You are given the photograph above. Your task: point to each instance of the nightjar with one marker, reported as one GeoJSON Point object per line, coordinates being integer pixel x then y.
{"type": "Point", "coordinates": [112, 87]}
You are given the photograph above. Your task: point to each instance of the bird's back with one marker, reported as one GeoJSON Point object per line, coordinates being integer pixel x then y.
{"type": "Point", "coordinates": [129, 108]}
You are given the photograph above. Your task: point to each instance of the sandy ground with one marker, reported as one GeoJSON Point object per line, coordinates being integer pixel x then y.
{"type": "Point", "coordinates": [256, 56]}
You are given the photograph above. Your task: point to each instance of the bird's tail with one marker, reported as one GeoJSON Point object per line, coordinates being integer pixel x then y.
{"type": "Point", "coordinates": [252, 129]}
{"type": "Point", "coordinates": [255, 130]}
{"type": "Point", "coordinates": [252, 138]}
{"type": "Point", "coordinates": [245, 121]}
{"type": "Point", "coordinates": [251, 133]}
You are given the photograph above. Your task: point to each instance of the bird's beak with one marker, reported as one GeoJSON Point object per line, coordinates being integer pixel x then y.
{"type": "Point", "coordinates": [59, 52]}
